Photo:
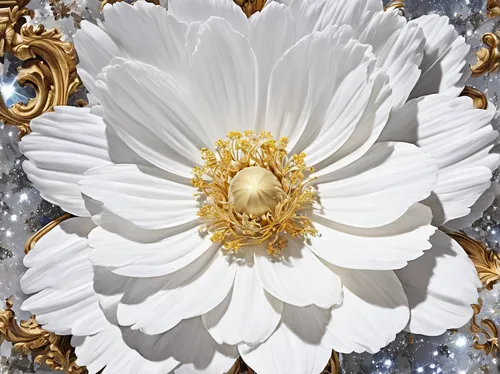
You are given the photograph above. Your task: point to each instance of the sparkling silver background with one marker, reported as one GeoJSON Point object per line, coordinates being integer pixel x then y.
{"type": "Point", "coordinates": [23, 212]}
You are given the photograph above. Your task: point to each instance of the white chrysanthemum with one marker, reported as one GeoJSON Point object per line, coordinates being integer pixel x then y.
{"type": "Point", "coordinates": [181, 261]}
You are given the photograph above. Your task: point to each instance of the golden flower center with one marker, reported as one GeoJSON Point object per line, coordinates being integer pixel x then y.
{"type": "Point", "coordinates": [252, 192]}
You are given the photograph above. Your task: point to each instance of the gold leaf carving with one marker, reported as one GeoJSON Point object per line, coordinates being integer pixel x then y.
{"type": "Point", "coordinates": [488, 59]}
{"type": "Point", "coordinates": [487, 329]}
{"type": "Point", "coordinates": [487, 263]}
{"type": "Point", "coordinates": [28, 336]}
{"type": "Point", "coordinates": [492, 8]}
{"type": "Point", "coordinates": [479, 99]}
{"type": "Point", "coordinates": [49, 64]}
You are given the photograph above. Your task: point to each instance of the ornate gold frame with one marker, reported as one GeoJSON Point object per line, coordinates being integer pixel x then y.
{"type": "Point", "coordinates": [49, 64]}
{"type": "Point", "coordinates": [50, 67]}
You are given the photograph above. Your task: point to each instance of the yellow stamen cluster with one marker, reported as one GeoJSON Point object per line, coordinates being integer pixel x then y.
{"type": "Point", "coordinates": [237, 229]}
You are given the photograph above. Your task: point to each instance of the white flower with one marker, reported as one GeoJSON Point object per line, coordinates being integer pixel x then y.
{"type": "Point", "coordinates": [342, 259]}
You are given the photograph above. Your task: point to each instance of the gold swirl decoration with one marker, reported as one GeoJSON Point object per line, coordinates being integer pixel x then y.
{"type": "Point", "coordinates": [486, 332]}
{"type": "Point", "coordinates": [395, 4]}
{"type": "Point", "coordinates": [49, 64]}
{"type": "Point", "coordinates": [493, 8]}
{"type": "Point", "coordinates": [250, 7]}
{"type": "Point", "coordinates": [488, 58]}
{"type": "Point", "coordinates": [478, 98]}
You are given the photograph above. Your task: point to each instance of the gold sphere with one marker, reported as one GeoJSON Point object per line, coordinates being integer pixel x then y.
{"type": "Point", "coordinates": [254, 191]}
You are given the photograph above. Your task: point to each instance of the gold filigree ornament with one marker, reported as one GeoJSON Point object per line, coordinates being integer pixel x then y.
{"type": "Point", "coordinates": [488, 58]}
{"type": "Point", "coordinates": [49, 64]}
{"type": "Point", "coordinates": [485, 333]}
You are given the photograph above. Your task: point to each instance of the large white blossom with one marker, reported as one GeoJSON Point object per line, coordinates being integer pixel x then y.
{"type": "Point", "coordinates": [370, 99]}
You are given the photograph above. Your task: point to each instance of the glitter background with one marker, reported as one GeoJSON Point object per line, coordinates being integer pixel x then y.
{"type": "Point", "coordinates": [23, 212]}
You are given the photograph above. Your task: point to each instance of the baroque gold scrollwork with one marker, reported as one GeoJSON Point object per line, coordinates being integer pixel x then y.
{"type": "Point", "coordinates": [487, 263]}
{"type": "Point", "coordinates": [485, 331]}
{"type": "Point", "coordinates": [28, 336]}
{"type": "Point", "coordinates": [49, 64]}
{"type": "Point", "coordinates": [250, 7]}
{"type": "Point", "coordinates": [488, 59]}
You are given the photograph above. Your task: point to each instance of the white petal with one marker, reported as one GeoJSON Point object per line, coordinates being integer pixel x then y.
{"type": "Point", "coordinates": [276, 20]}
{"type": "Point", "coordinates": [382, 248]}
{"type": "Point", "coordinates": [61, 273]}
{"type": "Point", "coordinates": [228, 322]}
{"type": "Point", "coordinates": [156, 38]}
{"type": "Point", "coordinates": [65, 144]}
{"type": "Point", "coordinates": [441, 286]}
{"type": "Point", "coordinates": [476, 212]}
{"type": "Point", "coordinates": [142, 195]}
{"type": "Point", "coordinates": [460, 137]}
{"type": "Point", "coordinates": [378, 188]}
{"type": "Point", "coordinates": [155, 305]}
{"type": "Point", "coordinates": [153, 258]}
{"type": "Point", "coordinates": [297, 108]}
{"type": "Point", "coordinates": [293, 348]}
{"type": "Point", "coordinates": [298, 277]}
{"type": "Point", "coordinates": [317, 15]}
{"type": "Point", "coordinates": [224, 85]}
{"type": "Point", "coordinates": [444, 67]}
{"type": "Point", "coordinates": [153, 115]}
{"type": "Point", "coordinates": [374, 310]}
{"type": "Point", "coordinates": [108, 349]}
{"type": "Point", "coordinates": [202, 10]}
{"type": "Point", "coordinates": [95, 50]}
{"type": "Point", "coordinates": [399, 47]}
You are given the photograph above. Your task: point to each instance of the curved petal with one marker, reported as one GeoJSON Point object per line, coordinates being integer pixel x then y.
{"type": "Point", "coordinates": [444, 66]}
{"type": "Point", "coordinates": [155, 305]}
{"type": "Point", "coordinates": [276, 20]}
{"type": "Point", "coordinates": [61, 274]}
{"type": "Point", "coordinates": [370, 316]}
{"type": "Point", "coordinates": [228, 322]}
{"type": "Point", "coordinates": [142, 195]}
{"type": "Point", "coordinates": [382, 248]}
{"type": "Point", "coordinates": [156, 38]}
{"type": "Point", "coordinates": [142, 259]}
{"type": "Point", "coordinates": [297, 108]}
{"type": "Point", "coordinates": [63, 145]}
{"type": "Point", "coordinates": [318, 15]}
{"type": "Point", "coordinates": [460, 137]}
{"type": "Point", "coordinates": [399, 48]}
{"type": "Point", "coordinates": [224, 86]}
{"type": "Point", "coordinates": [202, 10]}
{"type": "Point", "coordinates": [298, 277]}
{"type": "Point", "coordinates": [476, 212]}
{"type": "Point", "coordinates": [378, 188]}
{"type": "Point", "coordinates": [293, 347]}
{"type": "Point", "coordinates": [440, 286]}
{"type": "Point", "coordinates": [108, 350]}
{"type": "Point", "coordinates": [152, 115]}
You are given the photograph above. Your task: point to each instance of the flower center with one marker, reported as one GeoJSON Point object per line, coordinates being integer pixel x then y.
{"type": "Point", "coordinates": [254, 192]}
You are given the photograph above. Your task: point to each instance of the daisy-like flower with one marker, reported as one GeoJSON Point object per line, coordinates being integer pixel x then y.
{"type": "Point", "coordinates": [269, 187]}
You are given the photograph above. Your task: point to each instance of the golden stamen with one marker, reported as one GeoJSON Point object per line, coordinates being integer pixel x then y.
{"type": "Point", "coordinates": [254, 192]}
